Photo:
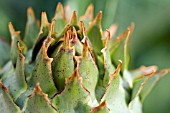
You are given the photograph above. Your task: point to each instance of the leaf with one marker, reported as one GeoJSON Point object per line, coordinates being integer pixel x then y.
{"type": "Point", "coordinates": [77, 5]}
{"type": "Point", "coordinates": [140, 83]}
{"type": "Point", "coordinates": [102, 108]}
{"type": "Point", "coordinates": [81, 107]}
{"type": "Point", "coordinates": [88, 16]}
{"type": "Point", "coordinates": [75, 42]}
{"type": "Point", "coordinates": [74, 20]}
{"type": "Point", "coordinates": [42, 72]}
{"type": "Point", "coordinates": [28, 65]}
{"type": "Point", "coordinates": [32, 29]}
{"type": "Point", "coordinates": [6, 103]}
{"type": "Point", "coordinates": [142, 71]}
{"type": "Point", "coordinates": [151, 83]}
{"type": "Point", "coordinates": [60, 19]}
{"type": "Point", "coordinates": [100, 65]}
{"type": "Point", "coordinates": [44, 31]}
{"type": "Point", "coordinates": [109, 12]}
{"type": "Point", "coordinates": [15, 81]}
{"type": "Point", "coordinates": [112, 29]}
{"type": "Point", "coordinates": [73, 96]}
{"type": "Point", "coordinates": [128, 77]}
{"type": "Point", "coordinates": [15, 37]}
{"type": "Point", "coordinates": [115, 94]}
{"type": "Point", "coordinates": [120, 48]}
{"type": "Point", "coordinates": [6, 68]}
{"type": "Point", "coordinates": [57, 43]}
{"type": "Point", "coordinates": [38, 102]}
{"type": "Point", "coordinates": [21, 100]}
{"type": "Point", "coordinates": [94, 33]}
{"type": "Point", "coordinates": [98, 6]}
{"type": "Point", "coordinates": [63, 63]}
{"type": "Point", "coordinates": [54, 48]}
{"type": "Point", "coordinates": [135, 106]}
{"type": "Point", "coordinates": [108, 66]}
{"type": "Point", "coordinates": [5, 49]}
{"type": "Point", "coordinates": [131, 76]}
{"type": "Point", "coordinates": [99, 90]}
{"type": "Point", "coordinates": [144, 84]}
{"type": "Point", "coordinates": [88, 71]}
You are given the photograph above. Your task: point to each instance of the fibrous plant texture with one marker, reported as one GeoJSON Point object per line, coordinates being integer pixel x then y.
{"type": "Point", "coordinates": [71, 66]}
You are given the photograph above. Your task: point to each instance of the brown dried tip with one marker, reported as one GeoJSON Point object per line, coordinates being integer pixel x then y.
{"type": "Point", "coordinates": [44, 50]}
{"type": "Point", "coordinates": [20, 51]}
{"type": "Point", "coordinates": [38, 89]}
{"type": "Point", "coordinates": [44, 20]}
{"type": "Point", "coordinates": [45, 45]}
{"type": "Point", "coordinates": [129, 30]}
{"type": "Point", "coordinates": [67, 27]}
{"type": "Point", "coordinates": [131, 27]}
{"type": "Point", "coordinates": [52, 25]}
{"type": "Point", "coordinates": [165, 71]}
{"type": "Point", "coordinates": [113, 29]}
{"type": "Point", "coordinates": [116, 72]}
{"type": "Point", "coordinates": [11, 27]}
{"type": "Point", "coordinates": [66, 44]}
{"type": "Point", "coordinates": [122, 36]}
{"type": "Point", "coordinates": [51, 28]}
{"type": "Point", "coordinates": [82, 28]}
{"type": "Point", "coordinates": [74, 19]}
{"type": "Point", "coordinates": [59, 7]}
{"type": "Point", "coordinates": [148, 70]}
{"type": "Point", "coordinates": [19, 47]}
{"type": "Point", "coordinates": [59, 11]}
{"type": "Point", "coordinates": [30, 12]}
{"type": "Point", "coordinates": [75, 75]}
{"type": "Point", "coordinates": [107, 38]}
{"type": "Point", "coordinates": [103, 104]}
{"type": "Point", "coordinates": [98, 19]}
{"type": "Point", "coordinates": [74, 33]}
{"type": "Point", "coordinates": [12, 30]}
{"type": "Point", "coordinates": [85, 48]}
{"type": "Point", "coordinates": [49, 40]}
{"type": "Point", "coordinates": [89, 13]}
{"type": "Point", "coordinates": [126, 33]}
{"type": "Point", "coordinates": [84, 31]}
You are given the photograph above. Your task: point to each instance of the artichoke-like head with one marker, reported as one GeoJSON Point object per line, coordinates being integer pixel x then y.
{"type": "Point", "coordinates": [71, 66]}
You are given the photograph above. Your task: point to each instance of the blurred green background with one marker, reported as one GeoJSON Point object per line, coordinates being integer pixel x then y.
{"type": "Point", "coordinates": [150, 41]}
